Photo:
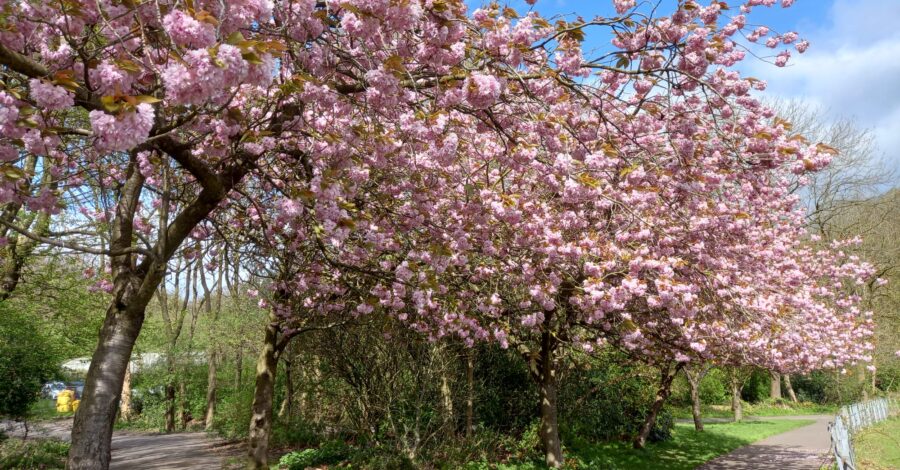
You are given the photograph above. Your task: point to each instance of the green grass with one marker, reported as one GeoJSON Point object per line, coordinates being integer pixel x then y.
{"type": "Point", "coordinates": [33, 454]}
{"type": "Point", "coordinates": [44, 409]}
{"type": "Point", "coordinates": [878, 447]}
{"type": "Point", "coordinates": [759, 409]}
{"type": "Point", "coordinates": [686, 450]}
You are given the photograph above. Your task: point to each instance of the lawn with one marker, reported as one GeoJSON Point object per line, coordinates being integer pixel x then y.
{"type": "Point", "coordinates": [686, 450]}
{"type": "Point", "coordinates": [45, 409]}
{"type": "Point", "coordinates": [761, 409]}
{"type": "Point", "coordinates": [878, 447]}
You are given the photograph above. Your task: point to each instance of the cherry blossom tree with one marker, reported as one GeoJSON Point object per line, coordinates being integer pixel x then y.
{"type": "Point", "coordinates": [486, 178]}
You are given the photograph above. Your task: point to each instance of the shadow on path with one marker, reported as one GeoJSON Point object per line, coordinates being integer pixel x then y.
{"type": "Point", "coordinates": [802, 448]}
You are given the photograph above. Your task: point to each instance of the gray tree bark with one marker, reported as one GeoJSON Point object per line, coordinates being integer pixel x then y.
{"type": "Point", "coordinates": [667, 376]}
{"type": "Point", "coordinates": [775, 388]}
{"type": "Point", "coordinates": [736, 405]}
{"type": "Point", "coordinates": [789, 387]}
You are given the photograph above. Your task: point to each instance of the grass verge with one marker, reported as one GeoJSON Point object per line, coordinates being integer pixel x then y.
{"type": "Point", "coordinates": [759, 409]}
{"type": "Point", "coordinates": [686, 450]}
{"type": "Point", "coordinates": [30, 454]}
{"type": "Point", "coordinates": [878, 447]}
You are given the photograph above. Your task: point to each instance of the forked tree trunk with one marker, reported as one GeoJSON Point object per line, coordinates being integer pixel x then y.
{"type": "Point", "coordinates": [789, 387]}
{"type": "Point", "coordinates": [694, 383]}
{"type": "Point", "coordinates": [775, 389]}
{"type": "Point", "coordinates": [667, 376]}
{"type": "Point", "coordinates": [134, 282]}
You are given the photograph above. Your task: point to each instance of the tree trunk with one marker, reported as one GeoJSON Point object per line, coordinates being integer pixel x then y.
{"type": "Point", "coordinates": [211, 390]}
{"type": "Point", "coordinates": [287, 405]}
{"type": "Point", "coordinates": [736, 405]}
{"type": "Point", "coordinates": [547, 385]}
{"type": "Point", "coordinates": [238, 367]}
{"type": "Point", "coordinates": [775, 389]}
{"type": "Point", "coordinates": [470, 392]}
{"type": "Point", "coordinates": [446, 405]}
{"type": "Point", "coordinates": [790, 389]}
{"type": "Point", "coordinates": [694, 382]}
{"type": "Point", "coordinates": [667, 376]}
{"type": "Point", "coordinates": [170, 406]}
{"type": "Point", "coordinates": [185, 408]}
{"type": "Point", "coordinates": [93, 426]}
{"type": "Point", "coordinates": [134, 282]}
{"type": "Point", "coordinates": [261, 420]}
{"type": "Point", "coordinates": [125, 402]}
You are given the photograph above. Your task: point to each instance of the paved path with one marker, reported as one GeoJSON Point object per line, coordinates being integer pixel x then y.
{"type": "Point", "coordinates": [800, 449]}
{"type": "Point", "coordinates": [140, 450]}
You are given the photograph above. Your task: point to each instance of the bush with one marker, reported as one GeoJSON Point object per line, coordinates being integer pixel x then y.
{"type": "Point", "coordinates": [33, 454]}
{"type": "Point", "coordinates": [380, 458]}
{"type": "Point", "coordinates": [27, 360]}
{"type": "Point", "coordinates": [609, 401]}
{"type": "Point", "coordinates": [329, 453]}
{"type": "Point", "coordinates": [714, 388]}
{"type": "Point", "coordinates": [507, 398]}
{"type": "Point", "coordinates": [827, 387]}
{"type": "Point", "coordinates": [757, 388]}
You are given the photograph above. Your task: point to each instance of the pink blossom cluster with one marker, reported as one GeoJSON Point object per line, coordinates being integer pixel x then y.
{"type": "Point", "coordinates": [49, 96]}
{"type": "Point", "coordinates": [123, 131]}
{"type": "Point", "coordinates": [187, 31]}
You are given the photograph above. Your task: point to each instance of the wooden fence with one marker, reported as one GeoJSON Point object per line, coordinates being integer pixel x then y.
{"type": "Point", "coordinates": [851, 419]}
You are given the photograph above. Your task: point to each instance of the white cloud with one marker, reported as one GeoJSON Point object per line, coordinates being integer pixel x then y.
{"type": "Point", "coordinates": [851, 70]}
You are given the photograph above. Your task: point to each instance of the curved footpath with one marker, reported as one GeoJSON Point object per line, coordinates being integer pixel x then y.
{"type": "Point", "coordinates": [800, 449]}
{"type": "Point", "coordinates": [141, 450]}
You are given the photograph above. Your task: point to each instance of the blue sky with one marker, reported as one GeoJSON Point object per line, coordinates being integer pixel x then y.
{"type": "Point", "coordinates": [852, 68]}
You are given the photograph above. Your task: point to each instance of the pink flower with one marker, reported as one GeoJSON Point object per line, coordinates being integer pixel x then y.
{"type": "Point", "coordinates": [782, 58]}
{"type": "Point", "coordinates": [482, 90]}
{"type": "Point", "coordinates": [623, 5]}
{"type": "Point", "coordinates": [187, 31]}
{"type": "Point", "coordinates": [49, 96]}
{"type": "Point", "coordinates": [123, 131]}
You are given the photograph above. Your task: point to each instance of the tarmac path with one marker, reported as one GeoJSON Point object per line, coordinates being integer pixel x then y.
{"type": "Point", "coordinates": [141, 450]}
{"type": "Point", "coordinates": [799, 449]}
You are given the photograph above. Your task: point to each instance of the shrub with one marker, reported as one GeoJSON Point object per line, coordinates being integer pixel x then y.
{"type": "Point", "coordinates": [757, 387]}
{"type": "Point", "coordinates": [33, 454]}
{"type": "Point", "coordinates": [609, 401]}
{"type": "Point", "coordinates": [714, 388]}
{"type": "Point", "coordinates": [27, 360]}
{"type": "Point", "coordinates": [507, 399]}
{"type": "Point", "coordinates": [329, 453]}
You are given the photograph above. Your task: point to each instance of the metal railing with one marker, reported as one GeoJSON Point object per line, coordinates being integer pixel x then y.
{"type": "Point", "coordinates": [851, 419]}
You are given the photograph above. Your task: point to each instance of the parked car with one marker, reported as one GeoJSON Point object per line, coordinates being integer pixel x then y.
{"type": "Point", "coordinates": [78, 387]}
{"type": "Point", "coordinates": [51, 390]}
